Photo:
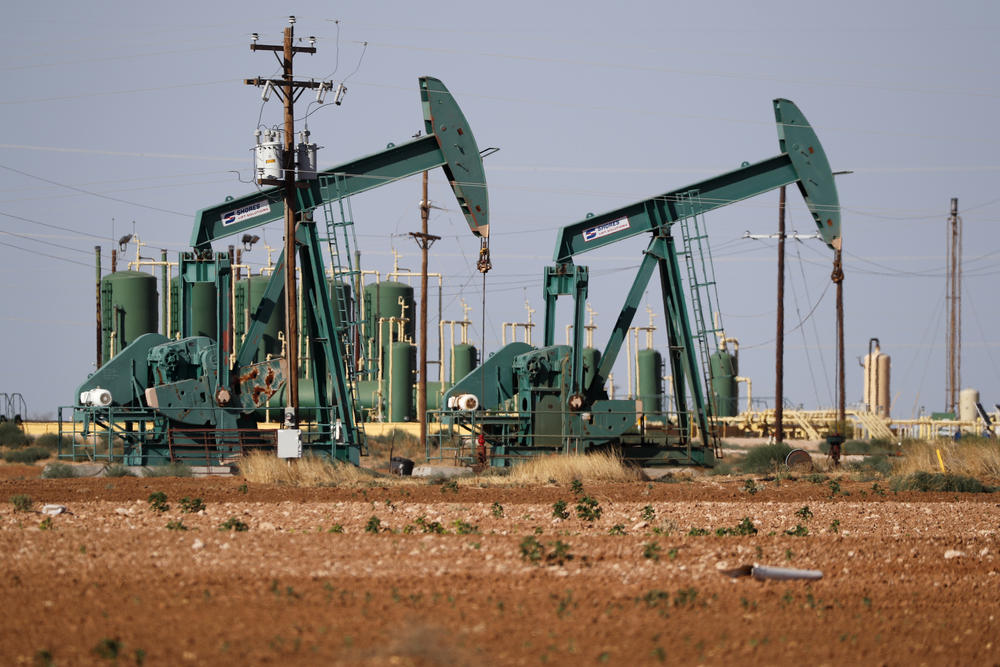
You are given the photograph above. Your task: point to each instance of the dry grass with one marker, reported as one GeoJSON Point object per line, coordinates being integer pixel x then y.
{"type": "Point", "coordinates": [261, 468]}
{"type": "Point", "coordinates": [974, 457]}
{"type": "Point", "coordinates": [563, 469]}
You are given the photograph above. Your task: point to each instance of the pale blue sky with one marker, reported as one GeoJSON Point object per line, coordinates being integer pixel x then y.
{"type": "Point", "coordinates": [593, 105]}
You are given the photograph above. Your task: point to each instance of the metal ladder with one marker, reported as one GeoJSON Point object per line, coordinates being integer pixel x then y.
{"type": "Point", "coordinates": [703, 290]}
{"type": "Point", "coordinates": [340, 239]}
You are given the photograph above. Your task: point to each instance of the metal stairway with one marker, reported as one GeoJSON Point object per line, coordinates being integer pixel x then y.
{"type": "Point", "coordinates": [341, 239]}
{"type": "Point", "coordinates": [703, 291]}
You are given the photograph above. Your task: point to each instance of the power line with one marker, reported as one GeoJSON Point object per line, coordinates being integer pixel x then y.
{"type": "Point", "coordinates": [95, 194]}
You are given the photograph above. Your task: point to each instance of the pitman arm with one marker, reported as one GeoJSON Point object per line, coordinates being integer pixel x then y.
{"type": "Point", "coordinates": [449, 143]}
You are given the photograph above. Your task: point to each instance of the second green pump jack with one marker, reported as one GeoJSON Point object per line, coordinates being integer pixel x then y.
{"type": "Point", "coordinates": [534, 401]}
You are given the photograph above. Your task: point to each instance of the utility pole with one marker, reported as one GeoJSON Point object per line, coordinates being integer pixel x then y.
{"type": "Point", "coordinates": [953, 293]}
{"type": "Point", "coordinates": [779, 344]}
{"type": "Point", "coordinates": [424, 241]}
{"type": "Point", "coordinates": [289, 90]}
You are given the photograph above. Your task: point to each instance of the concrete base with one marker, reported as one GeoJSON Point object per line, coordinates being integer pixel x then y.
{"type": "Point", "coordinates": [441, 472]}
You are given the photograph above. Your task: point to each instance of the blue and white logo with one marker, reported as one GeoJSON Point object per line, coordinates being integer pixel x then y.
{"type": "Point", "coordinates": [606, 228]}
{"type": "Point", "coordinates": [246, 212]}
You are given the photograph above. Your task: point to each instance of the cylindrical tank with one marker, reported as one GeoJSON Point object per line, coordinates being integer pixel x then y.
{"type": "Point", "coordinates": [650, 380]}
{"type": "Point", "coordinates": [382, 301]}
{"type": "Point", "coordinates": [204, 319]}
{"type": "Point", "coordinates": [249, 293]}
{"type": "Point", "coordinates": [201, 311]}
{"type": "Point", "coordinates": [876, 395]}
{"type": "Point", "coordinates": [591, 360]}
{"type": "Point", "coordinates": [434, 392]}
{"type": "Point", "coordinates": [725, 390]}
{"type": "Point", "coordinates": [967, 399]}
{"type": "Point", "coordinates": [463, 361]}
{"type": "Point", "coordinates": [129, 309]}
{"type": "Point", "coordinates": [399, 381]}
{"type": "Point", "coordinates": [367, 394]}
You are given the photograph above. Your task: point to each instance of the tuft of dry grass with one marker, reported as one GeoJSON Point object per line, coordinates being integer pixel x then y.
{"type": "Point", "coordinates": [261, 468]}
{"type": "Point", "coordinates": [564, 468]}
{"type": "Point", "coordinates": [974, 457]}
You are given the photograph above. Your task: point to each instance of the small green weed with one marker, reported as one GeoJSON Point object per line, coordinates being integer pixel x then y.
{"type": "Point", "coordinates": [559, 510]}
{"type": "Point", "coordinates": [232, 523]}
{"type": "Point", "coordinates": [108, 649]}
{"type": "Point", "coordinates": [617, 529]}
{"type": "Point", "coordinates": [749, 486]}
{"type": "Point", "coordinates": [192, 505]}
{"type": "Point", "coordinates": [449, 486]}
{"type": "Point", "coordinates": [45, 524]}
{"type": "Point", "coordinates": [576, 486]}
{"type": "Point", "coordinates": [243, 488]}
{"type": "Point", "coordinates": [648, 513]}
{"type": "Point", "coordinates": [430, 526]}
{"type": "Point", "coordinates": [588, 509]}
{"type": "Point", "coordinates": [697, 532]}
{"type": "Point", "coordinates": [798, 531]}
{"type": "Point", "coordinates": [176, 525]}
{"type": "Point", "coordinates": [464, 528]}
{"type": "Point", "coordinates": [534, 551]}
{"type": "Point", "coordinates": [158, 501]}
{"type": "Point", "coordinates": [336, 528]}
{"type": "Point", "coordinates": [804, 513]}
{"type": "Point", "coordinates": [744, 527]}
{"type": "Point", "coordinates": [531, 549]}
{"type": "Point", "coordinates": [651, 550]}
{"type": "Point", "coordinates": [374, 524]}
{"type": "Point", "coordinates": [496, 510]}
{"type": "Point", "coordinates": [834, 487]}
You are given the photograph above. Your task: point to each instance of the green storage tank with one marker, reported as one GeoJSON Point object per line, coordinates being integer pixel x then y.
{"type": "Point", "coordinates": [368, 395]}
{"type": "Point", "coordinates": [591, 360]}
{"type": "Point", "coordinates": [382, 302]}
{"type": "Point", "coordinates": [725, 390]}
{"type": "Point", "coordinates": [204, 318]}
{"type": "Point", "coordinates": [649, 380]}
{"type": "Point", "coordinates": [463, 361]}
{"type": "Point", "coordinates": [434, 392]}
{"type": "Point", "coordinates": [249, 293]}
{"type": "Point", "coordinates": [129, 309]}
{"type": "Point", "coordinates": [398, 374]}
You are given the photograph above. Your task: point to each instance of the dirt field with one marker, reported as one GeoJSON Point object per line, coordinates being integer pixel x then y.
{"type": "Point", "coordinates": [908, 579]}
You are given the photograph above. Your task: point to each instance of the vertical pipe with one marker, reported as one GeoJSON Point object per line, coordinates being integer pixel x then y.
{"type": "Point", "coordinates": [97, 255]}
{"type": "Point", "coordinates": [779, 345]}
{"type": "Point", "coordinates": [165, 281]}
{"type": "Point", "coordinates": [114, 260]}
